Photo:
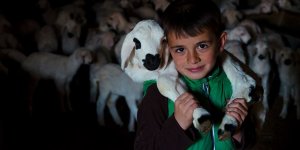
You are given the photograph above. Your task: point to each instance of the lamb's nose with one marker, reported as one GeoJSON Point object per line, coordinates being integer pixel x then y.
{"type": "Point", "coordinates": [151, 62]}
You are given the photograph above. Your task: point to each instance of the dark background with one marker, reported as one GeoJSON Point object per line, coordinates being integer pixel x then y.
{"type": "Point", "coordinates": [47, 128]}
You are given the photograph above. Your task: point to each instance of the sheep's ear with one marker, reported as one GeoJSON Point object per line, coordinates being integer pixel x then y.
{"type": "Point", "coordinates": [164, 52]}
{"type": "Point", "coordinates": [126, 50]}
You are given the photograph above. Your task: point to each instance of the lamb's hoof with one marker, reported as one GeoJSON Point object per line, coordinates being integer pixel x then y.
{"type": "Point", "coordinates": [205, 123]}
{"type": "Point", "coordinates": [227, 132]}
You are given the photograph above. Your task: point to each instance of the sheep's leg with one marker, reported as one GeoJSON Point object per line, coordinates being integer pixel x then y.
{"type": "Point", "coordinates": [93, 91]}
{"type": "Point", "coordinates": [266, 93]}
{"type": "Point", "coordinates": [68, 100]}
{"type": "Point", "coordinates": [242, 87]}
{"type": "Point", "coordinates": [286, 99]}
{"type": "Point", "coordinates": [227, 127]}
{"type": "Point", "coordinates": [111, 103]}
{"type": "Point", "coordinates": [133, 113]}
{"type": "Point", "coordinates": [170, 87]}
{"type": "Point", "coordinates": [131, 122]}
{"type": "Point", "coordinates": [100, 106]}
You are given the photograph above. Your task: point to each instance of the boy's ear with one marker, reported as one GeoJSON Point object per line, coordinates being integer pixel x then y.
{"type": "Point", "coordinates": [222, 41]}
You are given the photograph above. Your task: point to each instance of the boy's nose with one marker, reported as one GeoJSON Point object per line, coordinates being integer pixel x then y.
{"type": "Point", "coordinates": [193, 58]}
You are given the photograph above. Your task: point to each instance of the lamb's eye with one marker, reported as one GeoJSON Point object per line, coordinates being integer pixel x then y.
{"type": "Point", "coordinates": [137, 43]}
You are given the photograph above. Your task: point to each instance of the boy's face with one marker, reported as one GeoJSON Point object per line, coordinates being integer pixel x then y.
{"type": "Point", "coordinates": [195, 57]}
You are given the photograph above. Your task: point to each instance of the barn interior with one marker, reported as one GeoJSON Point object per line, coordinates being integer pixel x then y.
{"type": "Point", "coordinates": [42, 123]}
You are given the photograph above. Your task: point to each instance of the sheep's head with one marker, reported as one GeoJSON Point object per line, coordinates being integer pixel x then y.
{"type": "Point", "coordinates": [141, 46]}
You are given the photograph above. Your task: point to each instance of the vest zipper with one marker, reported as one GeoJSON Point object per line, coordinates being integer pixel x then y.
{"type": "Point", "coordinates": [206, 89]}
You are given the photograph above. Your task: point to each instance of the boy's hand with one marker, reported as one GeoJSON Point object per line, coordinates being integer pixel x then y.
{"type": "Point", "coordinates": [238, 109]}
{"type": "Point", "coordinates": [184, 108]}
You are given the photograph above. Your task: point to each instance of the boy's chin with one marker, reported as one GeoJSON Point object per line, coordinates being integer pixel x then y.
{"type": "Point", "coordinates": [194, 76]}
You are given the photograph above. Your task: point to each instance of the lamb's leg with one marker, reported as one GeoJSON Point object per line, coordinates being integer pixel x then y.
{"type": "Point", "coordinates": [68, 94]}
{"type": "Point", "coordinates": [100, 106]}
{"type": "Point", "coordinates": [227, 126]}
{"type": "Point", "coordinates": [242, 86]}
{"type": "Point", "coordinates": [131, 103]}
{"type": "Point", "coordinates": [266, 93]}
{"type": "Point", "coordinates": [170, 87]}
{"type": "Point", "coordinates": [286, 99]}
{"type": "Point", "coordinates": [111, 103]}
{"type": "Point", "coordinates": [93, 91]}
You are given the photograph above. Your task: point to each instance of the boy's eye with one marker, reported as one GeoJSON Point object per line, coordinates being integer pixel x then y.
{"type": "Point", "coordinates": [202, 46]}
{"type": "Point", "coordinates": [179, 50]}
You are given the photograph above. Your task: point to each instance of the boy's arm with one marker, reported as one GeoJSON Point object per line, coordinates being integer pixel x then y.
{"type": "Point", "coordinates": [155, 129]}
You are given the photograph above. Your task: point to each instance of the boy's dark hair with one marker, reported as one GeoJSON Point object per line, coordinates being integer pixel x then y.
{"type": "Point", "coordinates": [192, 17]}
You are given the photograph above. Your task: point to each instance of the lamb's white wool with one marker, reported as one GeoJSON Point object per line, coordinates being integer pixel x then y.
{"type": "Point", "coordinates": [288, 67]}
{"type": "Point", "coordinates": [60, 69]}
{"type": "Point", "coordinates": [139, 52]}
{"type": "Point", "coordinates": [114, 83]}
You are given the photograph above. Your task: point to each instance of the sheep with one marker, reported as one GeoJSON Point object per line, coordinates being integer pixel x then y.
{"type": "Point", "coordinates": [69, 22]}
{"type": "Point", "coordinates": [141, 60]}
{"type": "Point", "coordinates": [100, 43]}
{"type": "Point", "coordinates": [113, 83]}
{"type": "Point", "coordinates": [261, 63]}
{"type": "Point", "coordinates": [288, 67]}
{"type": "Point", "coordinates": [61, 69]}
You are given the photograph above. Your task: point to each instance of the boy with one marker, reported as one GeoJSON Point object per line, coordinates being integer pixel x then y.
{"type": "Point", "coordinates": [195, 39]}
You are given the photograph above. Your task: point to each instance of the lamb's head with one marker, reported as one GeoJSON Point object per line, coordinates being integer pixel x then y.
{"type": "Point", "coordinates": [140, 49]}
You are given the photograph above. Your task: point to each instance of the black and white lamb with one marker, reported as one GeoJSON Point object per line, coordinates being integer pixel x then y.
{"type": "Point", "coordinates": [141, 60]}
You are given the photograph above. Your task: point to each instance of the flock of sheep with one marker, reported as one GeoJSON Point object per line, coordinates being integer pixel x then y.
{"type": "Point", "coordinates": [81, 33]}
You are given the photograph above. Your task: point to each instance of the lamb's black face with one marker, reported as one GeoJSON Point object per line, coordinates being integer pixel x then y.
{"type": "Point", "coordinates": [151, 62]}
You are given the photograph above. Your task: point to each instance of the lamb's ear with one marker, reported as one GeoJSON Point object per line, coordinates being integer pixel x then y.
{"type": "Point", "coordinates": [164, 52]}
{"type": "Point", "coordinates": [126, 50]}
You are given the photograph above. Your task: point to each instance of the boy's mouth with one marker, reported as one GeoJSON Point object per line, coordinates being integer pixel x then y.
{"type": "Point", "coordinates": [196, 69]}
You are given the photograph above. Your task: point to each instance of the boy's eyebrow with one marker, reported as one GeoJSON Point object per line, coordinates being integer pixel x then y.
{"type": "Point", "coordinates": [200, 42]}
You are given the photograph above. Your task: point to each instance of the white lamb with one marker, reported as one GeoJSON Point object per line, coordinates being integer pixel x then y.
{"type": "Point", "coordinates": [141, 59]}
{"type": "Point", "coordinates": [113, 83]}
{"type": "Point", "coordinates": [61, 69]}
{"type": "Point", "coordinates": [260, 57]}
